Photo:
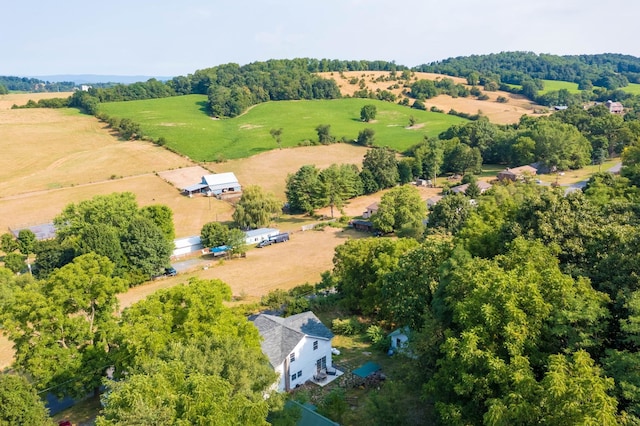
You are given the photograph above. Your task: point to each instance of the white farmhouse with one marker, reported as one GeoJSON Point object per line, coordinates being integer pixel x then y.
{"type": "Point", "coordinates": [298, 347]}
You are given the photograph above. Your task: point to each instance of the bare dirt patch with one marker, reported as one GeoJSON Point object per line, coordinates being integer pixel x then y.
{"type": "Point", "coordinates": [270, 169]}
{"type": "Point", "coordinates": [181, 178]}
{"type": "Point", "coordinates": [501, 113]}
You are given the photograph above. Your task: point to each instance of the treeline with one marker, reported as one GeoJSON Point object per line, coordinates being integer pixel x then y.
{"type": "Point", "coordinates": [607, 70]}
{"type": "Point", "coordinates": [232, 88]}
{"type": "Point", "coordinates": [25, 84]}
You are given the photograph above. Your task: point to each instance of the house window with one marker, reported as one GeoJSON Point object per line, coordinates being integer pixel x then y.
{"type": "Point", "coordinates": [292, 357]}
{"type": "Point", "coordinates": [315, 345]}
{"type": "Point", "coordinates": [293, 377]}
{"type": "Point", "coordinates": [299, 373]}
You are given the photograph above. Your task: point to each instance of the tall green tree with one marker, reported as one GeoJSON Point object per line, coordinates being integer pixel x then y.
{"type": "Point", "coordinates": [162, 216]}
{"type": "Point", "coordinates": [188, 358]}
{"type": "Point", "coordinates": [214, 234]}
{"type": "Point", "coordinates": [368, 113]}
{"type": "Point", "coordinates": [383, 166]}
{"type": "Point", "coordinates": [324, 134]}
{"type": "Point", "coordinates": [340, 183]}
{"type": "Point", "coordinates": [20, 404]}
{"type": "Point", "coordinates": [304, 190]}
{"type": "Point", "coordinates": [26, 241]}
{"type": "Point", "coordinates": [401, 209]}
{"type": "Point", "coordinates": [145, 246]}
{"type": "Point", "coordinates": [256, 208]}
{"type": "Point", "coordinates": [366, 137]}
{"type": "Point", "coordinates": [62, 327]}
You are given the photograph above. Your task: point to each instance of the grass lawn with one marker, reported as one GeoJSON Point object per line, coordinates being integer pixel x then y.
{"type": "Point", "coordinates": [574, 176]}
{"type": "Point", "coordinates": [184, 123]}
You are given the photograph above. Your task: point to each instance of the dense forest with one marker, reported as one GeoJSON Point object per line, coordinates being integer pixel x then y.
{"type": "Point", "coordinates": [607, 70]}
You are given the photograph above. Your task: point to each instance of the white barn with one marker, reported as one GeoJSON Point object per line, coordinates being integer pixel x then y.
{"type": "Point", "coordinates": [298, 347]}
{"type": "Point", "coordinates": [216, 184]}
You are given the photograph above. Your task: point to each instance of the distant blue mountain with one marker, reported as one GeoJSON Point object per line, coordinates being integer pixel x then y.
{"type": "Point", "coordinates": [94, 78]}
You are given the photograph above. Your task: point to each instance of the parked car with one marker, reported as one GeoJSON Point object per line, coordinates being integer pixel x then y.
{"type": "Point", "coordinates": [265, 243]}
{"type": "Point", "coordinates": [170, 272]}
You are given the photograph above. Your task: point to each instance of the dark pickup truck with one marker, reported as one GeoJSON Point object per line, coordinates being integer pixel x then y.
{"type": "Point", "coordinates": [280, 238]}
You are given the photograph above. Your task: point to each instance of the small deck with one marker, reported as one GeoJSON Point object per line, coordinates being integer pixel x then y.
{"type": "Point", "coordinates": [324, 379]}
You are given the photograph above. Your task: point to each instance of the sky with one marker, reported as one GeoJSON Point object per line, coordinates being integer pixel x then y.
{"type": "Point", "coordinates": [170, 38]}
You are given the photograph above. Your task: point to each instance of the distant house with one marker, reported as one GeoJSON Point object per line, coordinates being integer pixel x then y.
{"type": "Point", "coordinates": [517, 173]}
{"type": "Point", "coordinates": [298, 347]}
{"type": "Point", "coordinates": [434, 200]}
{"type": "Point", "coordinates": [370, 211]}
{"type": "Point", "coordinates": [461, 189]}
{"type": "Point", "coordinates": [219, 184]}
{"type": "Point", "coordinates": [256, 235]}
{"type": "Point", "coordinates": [614, 107]}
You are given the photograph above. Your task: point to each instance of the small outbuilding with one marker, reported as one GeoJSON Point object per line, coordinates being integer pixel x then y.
{"type": "Point", "coordinates": [187, 245]}
{"type": "Point", "coordinates": [400, 339]}
{"type": "Point", "coordinates": [362, 225]}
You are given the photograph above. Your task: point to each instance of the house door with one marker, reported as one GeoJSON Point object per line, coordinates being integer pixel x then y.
{"type": "Point", "coordinates": [321, 363]}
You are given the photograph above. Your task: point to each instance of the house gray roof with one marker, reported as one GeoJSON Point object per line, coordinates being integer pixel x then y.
{"type": "Point", "coordinates": [281, 335]}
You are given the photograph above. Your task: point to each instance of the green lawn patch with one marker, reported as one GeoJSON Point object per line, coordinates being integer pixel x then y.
{"type": "Point", "coordinates": [633, 88]}
{"type": "Point", "coordinates": [556, 85]}
{"type": "Point", "coordinates": [183, 122]}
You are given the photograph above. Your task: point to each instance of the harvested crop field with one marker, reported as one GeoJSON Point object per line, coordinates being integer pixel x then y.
{"type": "Point", "coordinates": [500, 113]}
{"type": "Point", "coordinates": [48, 149]}
{"type": "Point", "coordinates": [7, 101]}
{"type": "Point", "coordinates": [270, 169]}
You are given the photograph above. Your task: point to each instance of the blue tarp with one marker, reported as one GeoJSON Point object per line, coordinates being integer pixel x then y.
{"type": "Point", "coordinates": [366, 370]}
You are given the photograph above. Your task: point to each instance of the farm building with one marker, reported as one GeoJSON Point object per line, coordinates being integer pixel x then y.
{"type": "Point", "coordinates": [461, 189]}
{"type": "Point", "coordinates": [43, 231]}
{"type": "Point", "coordinates": [362, 225]}
{"type": "Point", "coordinates": [216, 184]}
{"type": "Point", "coordinates": [399, 339]}
{"type": "Point", "coordinates": [614, 107]}
{"type": "Point", "coordinates": [187, 245]}
{"type": "Point", "coordinates": [370, 211]}
{"type": "Point", "coordinates": [256, 235]}
{"type": "Point", "coordinates": [298, 347]}
{"type": "Point", "coordinates": [517, 173]}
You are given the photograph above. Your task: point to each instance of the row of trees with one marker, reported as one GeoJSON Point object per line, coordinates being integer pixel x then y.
{"type": "Point", "coordinates": [311, 188]}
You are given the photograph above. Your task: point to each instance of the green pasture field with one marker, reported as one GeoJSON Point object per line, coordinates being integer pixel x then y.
{"type": "Point", "coordinates": [556, 85]}
{"type": "Point", "coordinates": [188, 130]}
{"type": "Point", "coordinates": [633, 88]}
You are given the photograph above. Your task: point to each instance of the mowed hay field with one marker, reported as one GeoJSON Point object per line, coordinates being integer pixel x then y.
{"type": "Point", "coordinates": [8, 100]}
{"type": "Point", "coordinates": [500, 113]}
{"type": "Point", "coordinates": [54, 148]}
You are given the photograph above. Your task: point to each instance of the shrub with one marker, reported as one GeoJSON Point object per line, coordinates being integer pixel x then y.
{"type": "Point", "coordinates": [502, 99]}
{"type": "Point", "coordinates": [274, 299]}
{"type": "Point", "coordinates": [346, 327]}
{"type": "Point", "coordinates": [483, 97]}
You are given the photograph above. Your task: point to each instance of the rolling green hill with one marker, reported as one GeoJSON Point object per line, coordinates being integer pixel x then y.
{"type": "Point", "coordinates": [183, 122]}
